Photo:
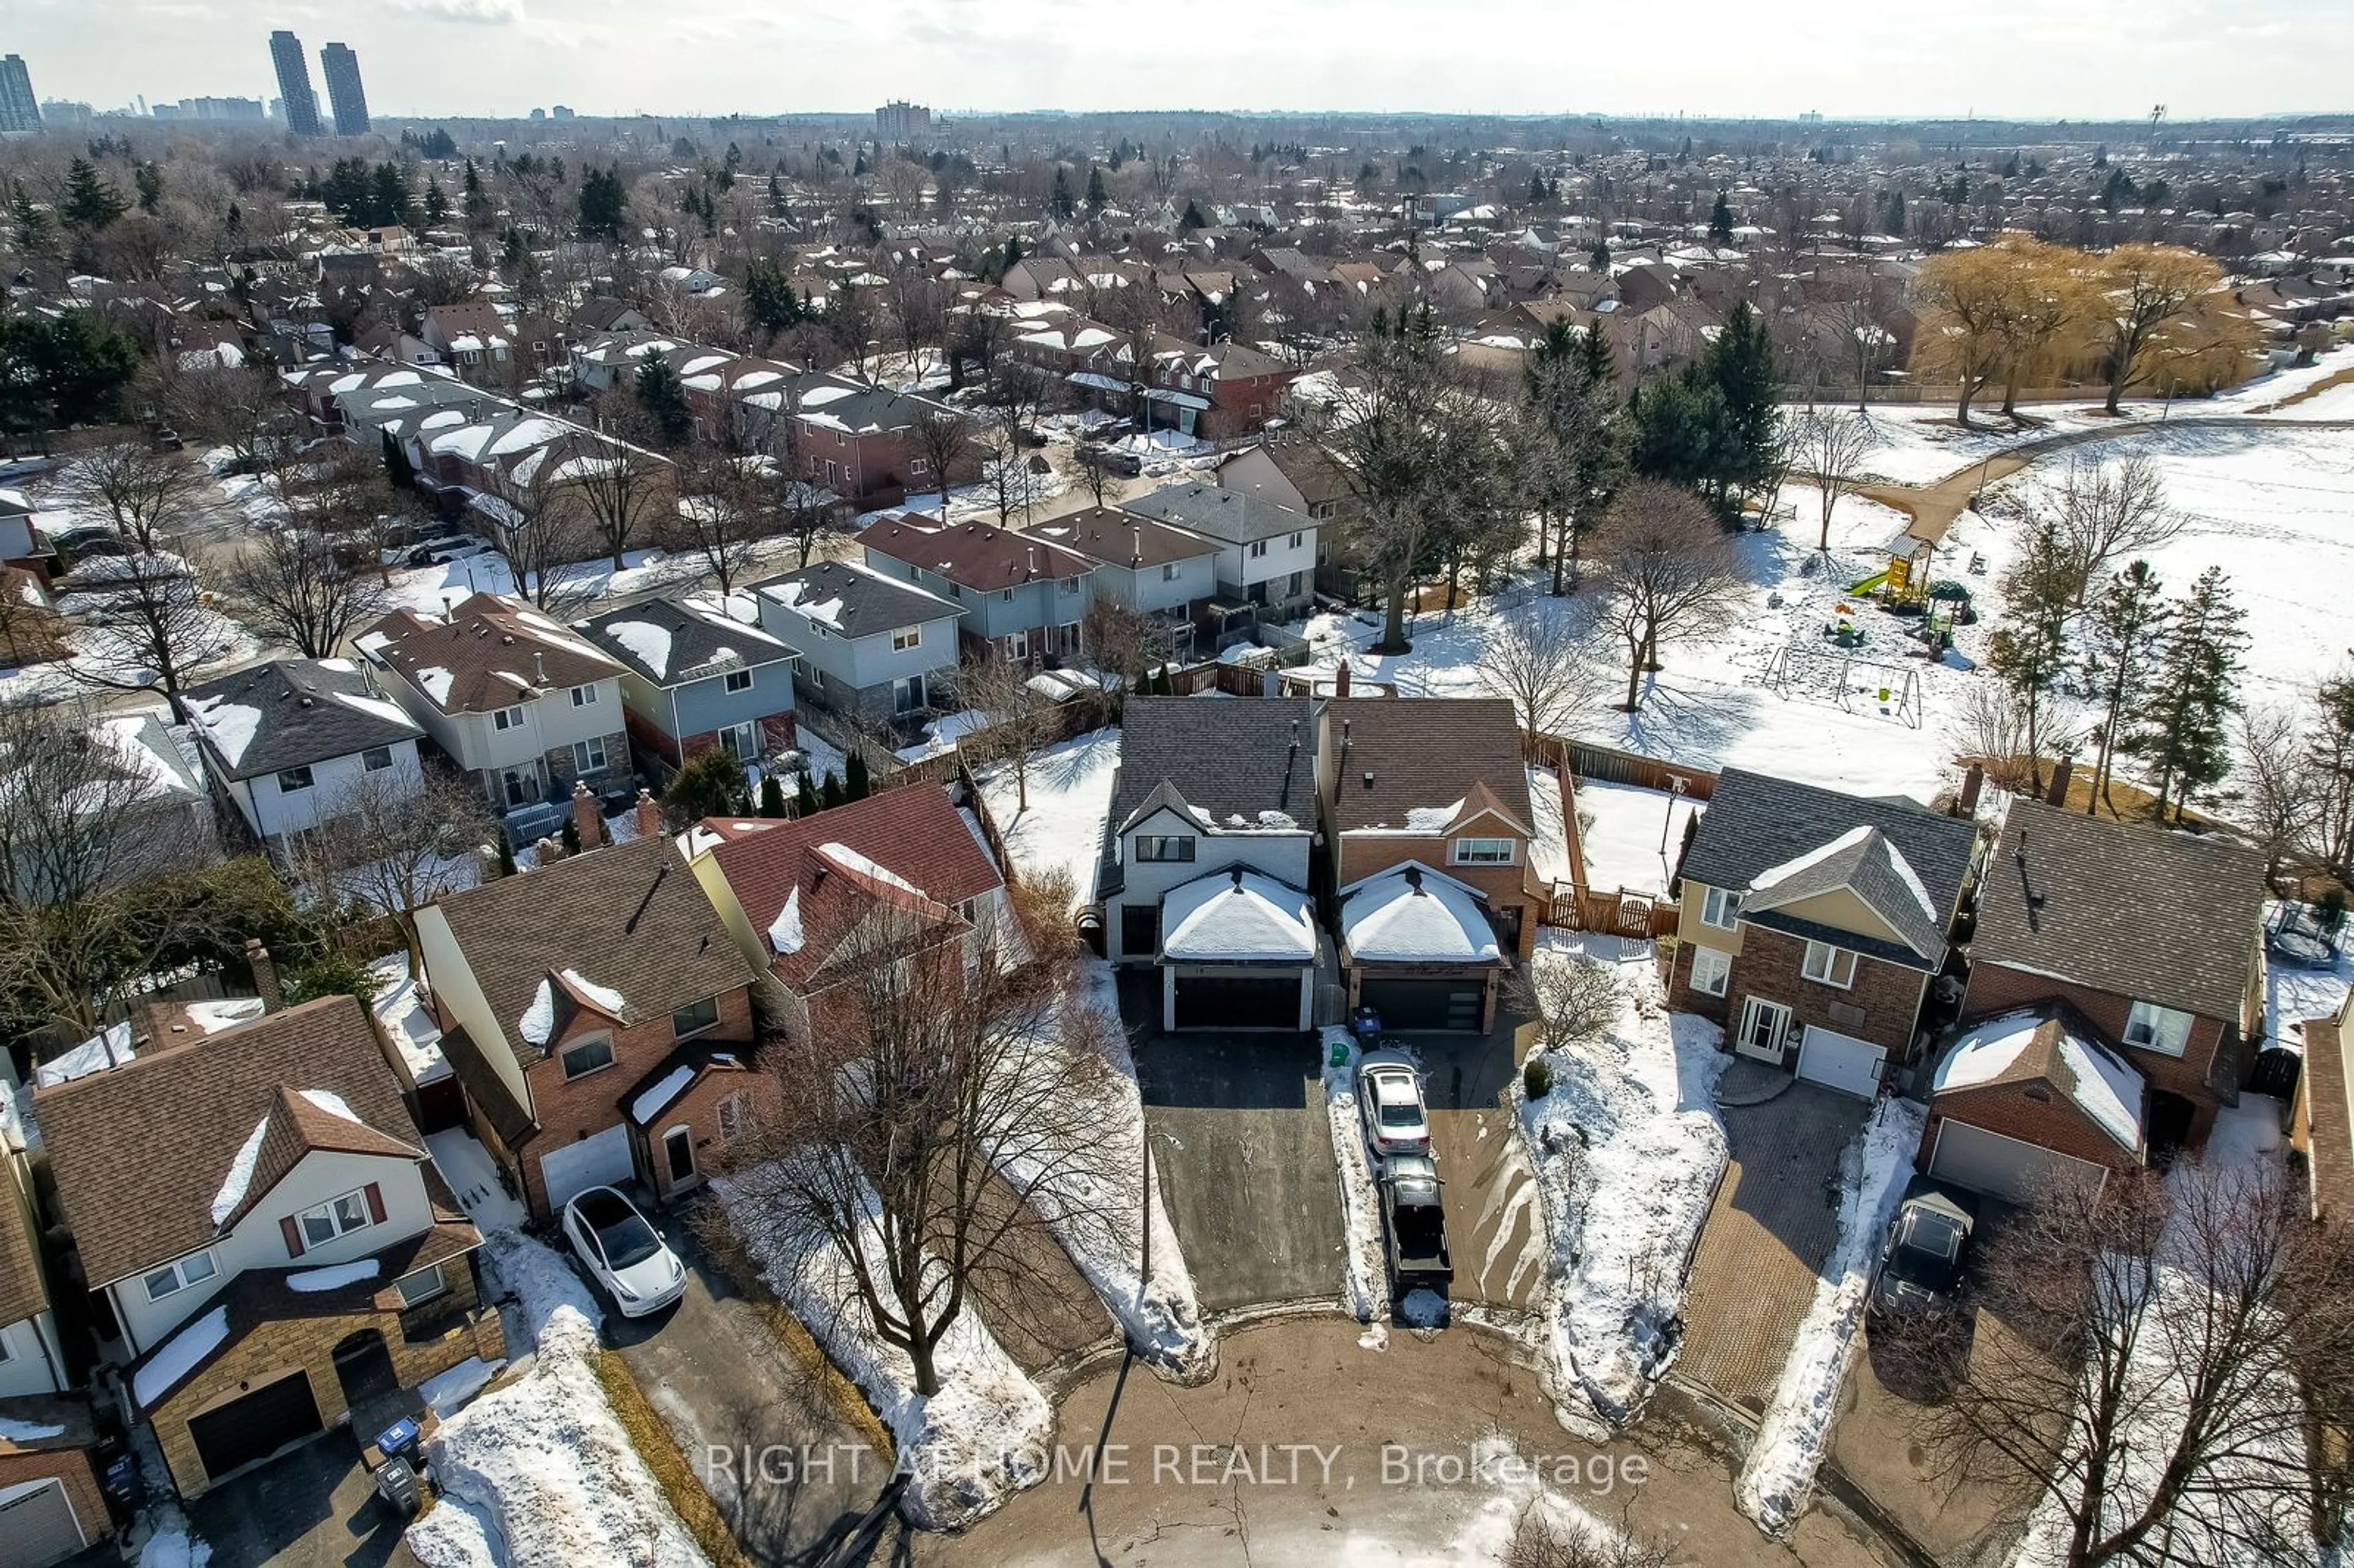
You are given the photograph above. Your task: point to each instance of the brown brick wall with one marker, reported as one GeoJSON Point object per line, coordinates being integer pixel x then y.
{"type": "Point", "coordinates": [1994, 989]}
{"type": "Point", "coordinates": [2051, 1122]}
{"type": "Point", "coordinates": [698, 1109]}
{"type": "Point", "coordinates": [72, 1467]}
{"type": "Point", "coordinates": [459, 1328]}
{"type": "Point", "coordinates": [569, 1111]}
{"type": "Point", "coordinates": [1887, 996]}
{"type": "Point", "coordinates": [1682, 998]}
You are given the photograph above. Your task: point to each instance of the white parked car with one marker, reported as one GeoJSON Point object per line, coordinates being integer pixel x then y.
{"type": "Point", "coordinates": [623, 1252]}
{"type": "Point", "coordinates": [1389, 1100]}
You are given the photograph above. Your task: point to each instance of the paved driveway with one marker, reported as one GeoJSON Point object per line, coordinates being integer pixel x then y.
{"type": "Point", "coordinates": [1493, 1224]}
{"type": "Point", "coordinates": [719, 1378]}
{"type": "Point", "coordinates": [314, 1507]}
{"type": "Point", "coordinates": [1760, 1253]}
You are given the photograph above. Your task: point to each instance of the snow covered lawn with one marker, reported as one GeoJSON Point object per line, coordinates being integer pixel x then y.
{"type": "Point", "coordinates": [1778, 1479]}
{"type": "Point", "coordinates": [966, 1449]}
{"type": "Point", "coordinates": [1627, 1149]}
{"type": "Point", "coordinates": [1070, 795]}
{"type": "Point", "coordinates": [1619, 829]}
{"type": "Point", "coordinates": [1366, 1275]}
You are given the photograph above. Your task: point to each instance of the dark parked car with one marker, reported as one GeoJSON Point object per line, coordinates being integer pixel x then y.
{"type": "Point", "coordinates": [1112, 461]}
{"type": "Point", "coordinates": [1413, 1224]}
{"type": "Point", "coordinates": [1922, 1261]}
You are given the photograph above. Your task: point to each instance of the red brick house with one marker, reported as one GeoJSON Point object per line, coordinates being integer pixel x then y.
{"type": "Point", "coordinates": [599, 1015]}
{"type": "Point", "coordinates": [857, 441]}
{"type": "Point", "coordinates": [2033, 1098]}
{"type": "Point", "coordinates": [2153, 939]}
{"type": "Point", "coordinates": [1216, 393]}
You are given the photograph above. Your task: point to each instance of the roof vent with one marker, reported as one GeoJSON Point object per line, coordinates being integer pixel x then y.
{"type": "Point", "coordinates": [538, 666]}
{"type": "Point", "coordinates": [1369, 779]}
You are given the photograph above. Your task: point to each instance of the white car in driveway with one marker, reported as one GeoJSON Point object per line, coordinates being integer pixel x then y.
{"type": "Point", "coordinates": [624, 1255]}
{"type": "Point", "coordinates": [1389, 1102]}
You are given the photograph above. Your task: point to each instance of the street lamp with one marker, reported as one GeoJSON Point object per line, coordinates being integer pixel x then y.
{"type": "Point", "coordinates": [1677, 785]}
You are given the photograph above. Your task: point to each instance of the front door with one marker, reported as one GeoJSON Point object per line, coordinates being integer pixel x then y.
{"type": "Point", "coordinates": [678, 1154]}
{"type": "Point", "coordinates": [1765, 1026]}
{"type": "Point", "coordinates": [520, 785]}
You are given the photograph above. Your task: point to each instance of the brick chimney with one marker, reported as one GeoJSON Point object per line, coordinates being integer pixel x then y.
{"type": "Point", "coordinates": [584, 814]}
{"type": "Point", "coordinates": [1341, 680]}
{"type": "Point", "coordinates": [2061, 771]}
{"type": "Point", "coordinates": [547, 852]}
{"type": "Point", "coordinates": [1972, 781]}
{"type": "Point", "coordinates": [649, 814]}
{"type": "Point", "coordinates": [265, 975]}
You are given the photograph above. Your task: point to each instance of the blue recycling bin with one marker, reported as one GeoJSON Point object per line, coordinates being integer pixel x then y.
{"type": "Point", "coordinates": [401, 1440]}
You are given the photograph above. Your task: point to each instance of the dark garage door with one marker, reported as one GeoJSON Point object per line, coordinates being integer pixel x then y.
{"type": "Point", "coordinates": [1237, 1001]}
{"type": "Point", "coordinates": [255, 1427]}
{"type": "Point", "coordinates": [1423, 1004]}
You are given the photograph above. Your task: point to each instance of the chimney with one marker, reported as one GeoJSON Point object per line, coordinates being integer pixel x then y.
{"type": "Point", "coordinates": [648, 813]}
{"type": "Point", "coordinates": [265, 975]}
{"type": "Point", "coordinates": [2061, 771]}
{"type": "Point", "coordinates": [1340, 680]}
{"type": "Point", "coordinates": [1972, 782]}
{"type": "Point", "coordinates": [584, 814]}
{"type": "Point", "coordinates": [539, 667]}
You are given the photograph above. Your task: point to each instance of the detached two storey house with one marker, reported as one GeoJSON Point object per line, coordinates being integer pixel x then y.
{"type": "Point", "coordinates": [876, 649]}
{"type": "Point", "coordinates": [1162, 572]}
{"type": "Point", "coordinates": [274, 1249]}
{"type": "Point", "coordinates": [1812, 922]}
{"type": "Point", "coordinates": [1266, 553]}
{"type": "Point", "coordinates": [297, 742]}
{"type": "Point", "coordinates": [1021, 596]}
{"type": "Point", "coordinates": [522, 702]}
{"type": "Point", "coordinates": [1204, 865]}
{"type": "Point", "coordinates": [691, 679]}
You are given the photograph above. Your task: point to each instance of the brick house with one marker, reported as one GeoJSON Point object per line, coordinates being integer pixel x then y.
{"type": "Point", "coordinates": [2031, 1097]}
{"type": "Point", "coordinates": [1811, 923]}
{"type": "Point", "coordinates": [471, 335]}
{"type": "Point", "coordinates": [2155, 939]}
{"type": "Point", "coordinates": [1429, 799]}
{"type": "Point", "coordinates": [273, 1264]}
{"type": "Point", "coordinates": [797, 897]}
{"type": "Point", "coordinates": [857, 441]}
{"type": "Point", "coordinates": [1218, 392]}
{"type": "Point", "coordinates": [50, 1504]}
{"type": "Point", "coordinates": [599, 1015]}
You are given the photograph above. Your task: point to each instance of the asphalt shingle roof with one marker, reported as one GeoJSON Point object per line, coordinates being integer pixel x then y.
{"type": "Point", "coordinates": [694, 644]}
{"type": "Point", "coordinates": [854, 600]}
{"type": "Point", "coordinates": [306, 711]}
{"type": "Point", "coordinates": [1228, 759]}
{"type": "Point", "coordinates": [1422, 752]}
{"type": "Point", "coordinates": [1228, 515]}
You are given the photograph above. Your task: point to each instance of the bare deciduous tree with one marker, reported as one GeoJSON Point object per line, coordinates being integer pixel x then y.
{"type": "Point", "coordinates": [392, 844]}
{"type": "Point", "coordinates": [1547, 1536]}
{"type": "Point", "coordinates": [1670, 570]}
{"type": "Point", "coordinates": [1570, 1000]}
{"type": "Point", "coordinates": [152, 631]}
{"type": "Point", "coordinates": [304, 589]}
{"type": "Point", "coordinates": [2104, 513]}
{"type": "Point", "coordinates": [2282, 792]}
{"type": "Point", "coordinates": [1016, 719]}
{"type": "Point", "coordinates": [1827, 448]}
{"type": "Point", "coordinates": [154, 499]}
{"type": "Point", "coordinates": [242, 408]}
{"type": "Point", "coordinates": [729, 507]}
{"type": "Point", "coordinates": [943, 438]}
{"type": "Point", "coordinates": [540, 535]}
{"type": "Point", "coordinates": [1541, 664]}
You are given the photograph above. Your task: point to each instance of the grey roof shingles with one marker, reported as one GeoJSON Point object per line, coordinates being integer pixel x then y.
{"type": "Point", "coordinates": [701, 644]}
{"type": "Point", "coordinates": [1227, 515]}
{"type": "Point", "coordinates": [311, 711]}
{"type": "Point", "coordinates": [1226, 759]}
{"type": "Point", "coordinates": [869, 602]}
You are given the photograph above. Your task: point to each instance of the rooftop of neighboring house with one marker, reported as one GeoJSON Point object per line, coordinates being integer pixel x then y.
{"type": "Point", "coordinates": [1222, 361]}
{"type": "Point", "coordinates": [1231, 766]}
{"type": "Point", "coordinates": [673, 641]}
{"type": "Point", "coordinates": [806, 884]}
{"type": "Point", "coordinates": [491, 652]}
{"type": "Point", "coordinates": [1310, 470]}
{"type": "Point", "coordinates": [624, 931]}
{"type": "Point", "coordinates": [1118, 537]}
{"type": "Point", "coordinates": [978, 556]}
{"type": "Point", "coordinates": [626, 346]}
{"type": "Point", "coordinates": [1425, 764]}
{"type": "Point", "coordinates": [291, 713]}
{"type": "Point", "coordinates": [1781, 844]}
{"type": "Point", "coordinates": [468, 318]}
{"type": "Point", "coordinates": [1231, 516]}
{"type": "Point", "coordinates": [837, 403]}
{"type": "Point", "coordinates": [23, 1290]}
{"type": "Point", "coordinates": [602, 312]}
{"type": "Point", "coordinates": [2124, 908]}
{"type": "Point", "coordinates": [143, 1178]}
{"type": "Point", "coordinates": [854, 600]}
{"type": "Point", "coordinates": [2050, 1044]}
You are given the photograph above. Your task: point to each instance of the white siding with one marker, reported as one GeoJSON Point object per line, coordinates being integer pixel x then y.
{"type": "Point", "coordinates": [549, 721]}
{"type": "Point", "coordinates": [1281, 855]}
{"type": "Point", "coordinates": [271, 811]}
{"type": "Point", "coordinates": [33, 1365]}
{"type": "Point", "coordinates": [1237, 564]}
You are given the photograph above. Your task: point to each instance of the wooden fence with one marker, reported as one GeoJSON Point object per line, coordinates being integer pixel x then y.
{"type": "Point", "coordinates": [1619, 913]}
{"type": "Point", "coordinates": [1583, 760]}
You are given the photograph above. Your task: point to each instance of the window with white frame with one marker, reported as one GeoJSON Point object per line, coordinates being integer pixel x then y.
{"type": "Point", "coordinates": [1067, 586]}
{"type": "Point", "coordinates": [175, 1278]}
{"type": "Point", "coordinates": [339, 1218]}
{"type": "Point", "coordinates": [1709, 969]}
{"type": "Point", "coordinates": [583, 696]}
{"type": "Point", "coordinates": [1296, 540]}
{"type": "Point", "coordinates": [907, 637]}
{"type": "Point", "coordinates": [694, 1018]}
{"type": "Point", "coordinates": [1484, 852]}
{"type": "Point", "coordinates": [2165, 1030]}
{"type": "Point", "coordinates": [919, 466]}
{"type": "Point", "coordinates": [585, 1056]}
{"type": "Point", "coordinates": [376, 758]}
{"type": "Point", "coordinates": [1168, 572]}
{"type": "Point", "coordinates": [423, 1285]}
{"type": "Point", "coordinates": [293, 781]}
{"type": "Point", "coordinates": [1005, 596]}
{"type": "Point", "coordinates": [1721, 909]}
{"type": "Point", "coordinates": [1164, 846]}
{"type": "Point", "coordinates": [588, 756]}
{"type": "Point", "coordinates": [508, 718]}
{"type": "Point", "coordinates": [1828, 965]}
{"type": "Point", "coordinates": [1259, 548]}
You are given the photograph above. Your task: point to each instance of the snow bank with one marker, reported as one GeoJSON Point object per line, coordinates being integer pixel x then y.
{"type": "Point", "coordinates": [1620, 833]}
{"type": "Point", "coordinates": [1628, 1133]}
{"type": "Point", "coordinates": [1778, 1479]}
{"type": "Point", "coordinates": [968, 1448]}
{"type": "Point", "coordinates": [1367, 1269]}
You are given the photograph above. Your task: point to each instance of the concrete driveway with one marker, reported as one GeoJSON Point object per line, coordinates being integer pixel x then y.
{"type": "Point", "coordinates": [1244, 1152]}
{"type": "Point", "coordinates": [314, 1507]}
{"type": "Point", "coordinates": [1774, 1223]}
{"type": "Point", "coordinates": [720, 1379]}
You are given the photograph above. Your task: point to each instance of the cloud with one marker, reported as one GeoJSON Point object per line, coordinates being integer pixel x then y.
{"type": "Point", "coordinates": [487, 13]}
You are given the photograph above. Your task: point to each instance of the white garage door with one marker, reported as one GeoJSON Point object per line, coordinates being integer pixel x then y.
{"type": "Point", "coordinates": [2003, 1167]}
{"type": "Point", "coordinates": [37, 1525]}
{"type": "Point", "coordinates": [600, 1159]}
{"type": "Point", "coordinates": [1840, 1062]}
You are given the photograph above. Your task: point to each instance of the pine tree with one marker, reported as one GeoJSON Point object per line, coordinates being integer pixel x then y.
{"type": "Point", "coordinates": [1536, 190]}
{"type": "Point", "coordinates": [2125, 627]}
{"type": "Point", "coordinates": [1192, 219]}
{"type": "Point", "coordinates": [2184, 730]}
{"type": "Point", "coordinates": [829, 796]}
{"type": "Point", "coordinates": [663, 397]}
{"type": "Point", "coordinates": [772, 795]}
{"type": "Point", "coordinates": [1096, 196]}
{"type": "Point", "coordinates": [569, 835]}
{"type": "Point", "coordinates": [2029, 653]}
{"type": "Point", "coordinates": [603, 204]}
{"type": "Point", "coordinates": [390, 200]}
{"type": "Point", "coordinates": [1601, 257]}
{"type": "Point", "coordinates": [149, 178]}
{"type": "Point", "coordinates": [91, 201]}
{"type": "Point", "coordinates": [1060, 200]}
{"type": "Point", "coordinates": [437, 206]}
{"type": "Point", "coordinates": [804, 797]}
{"type": "Point", "coordinates": [853, 777]}
{"type": "Point", "coordinates": [506, 855]}
{"type": "Point", "coordinates": [1720, 220]}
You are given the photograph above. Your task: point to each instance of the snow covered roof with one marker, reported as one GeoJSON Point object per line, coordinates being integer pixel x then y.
{"type": "Point", "coordinates": [292, 713]}
{"type": "Point", "coordinates": [673, 642]}
{"type": "Point", "coordinates": [1412, 914]}
{"type": "Point", "coordinates": [2050, 1044]}
{"type": "Point", "coordinates": [1863, 861]}
{"type": "Point", "coordinates": [1237, 916]}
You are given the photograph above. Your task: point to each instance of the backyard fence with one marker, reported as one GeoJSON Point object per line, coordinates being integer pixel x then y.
{"type": "Point", "coordinates": [1583, 760]}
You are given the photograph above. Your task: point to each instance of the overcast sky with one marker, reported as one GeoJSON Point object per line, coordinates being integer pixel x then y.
{"type": "Point", "coordinates": [1908, 59]}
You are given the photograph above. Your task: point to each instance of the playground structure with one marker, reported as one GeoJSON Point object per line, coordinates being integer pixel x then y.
{"type": "Point", "coordinates": [1838, 675]}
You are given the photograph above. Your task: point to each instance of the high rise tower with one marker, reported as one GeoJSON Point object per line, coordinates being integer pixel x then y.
{"type": "Point", "coordinates": [19, 111]}
{"type": "Point", "coordinates": [294, 83]}
{"type": "Point", "coordinates": [349, 100]}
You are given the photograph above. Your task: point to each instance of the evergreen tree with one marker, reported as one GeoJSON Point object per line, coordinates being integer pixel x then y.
{"type": "Point", "coordinates": [1536, 190]}
{"type": "Point", "coordinates": [1600, 259]}
{"type": "Point", "coordinates": [68, 369]}
{"type": "Point", "coordinates": [476, 202]}
{"type": "Point", "coordinates": [853, 777]}
{"type": "Point", "coordinates": [1096, 196]}
{"type": "Point", "coordinates": [91, 201]}
{"type": "Point", "coordinates": [2183, 729]}
{"type": "Point", "coordinates": [569, 835]}
{"type": "Point", "coordinates": [804, 797]}
{"type": "Point", "coordinates": [149, 179]}
{"type": "Point", "coordinates": [2028, 654]}
{"type": "Point", "coordinates": [829, 795]}
{"type": "Point", "coordinates": [772, 795]}
{"type": "Point", "coordinates": [1060, 200]}
{"type": "Point", "coordinates": [663, 397]}
{"type": "Point", "coordinates": [437, 206]}
{"type": "Point", "coordinates": [506, 855]}
{"type": "Point", "coordinates": [396, 466]}
{"type": "Point", "coordinates": [603, 204]}
{"type": "Point", "coordinates": [1192, 219]}
{"type": "Point", "coordinates": [1720, 220]}
{"type": "Point", "coordinates": [770, 302]}
{"type": "Point", "coordinates": [2125, 627]}
{"type": "Point", "coordinates": [31, 222]}
{"type": "Point", "coordinates": [390, 200]}
{"type": "Point", "coordinates": [1896, 212]}
{"type": "Point", "coordinates": [709, 784]}
{"type": "Point", "coordinates": [776, 196]}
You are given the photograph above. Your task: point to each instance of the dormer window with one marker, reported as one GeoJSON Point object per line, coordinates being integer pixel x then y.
{"type": "Point", "coordinates": [1164, 848]}
{"type": "Point", "coordinates": [1484, 852]}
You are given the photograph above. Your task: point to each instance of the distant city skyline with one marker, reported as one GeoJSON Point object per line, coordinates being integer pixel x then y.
{"type": "Point", "coordinates": [1886, 59]}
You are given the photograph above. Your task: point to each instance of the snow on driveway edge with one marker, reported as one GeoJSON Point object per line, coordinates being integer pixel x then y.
{"type": "Point", "coordinates": [1778, 1478]}
{"type": "Point", "coordinates": [1366, 1277]}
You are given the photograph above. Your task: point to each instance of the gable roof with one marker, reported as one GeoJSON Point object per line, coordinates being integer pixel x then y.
{"type": "Point", "coordinates": [854, 600]}
{"type": "Point", "coordinates": [1863, 862]}
{"type": "Point", "coordinates": [979, 556]}
{"type": "Point", "coordinates": [1757, 823]}
{"type": "Point", "coordinates": [2132, 909]}
{"type": "Point", "coordinates": [2050, 1044]}
{"type": "Point", "coordinates": [290, 712]}
{"type": "Point", "coordinates": [1423, 754]}
{"type": "Point", "coordinates": [1230, 516]}
{"type": "Point", "coordinates": [143, 1151]}
{"type": "Point", "coordinates": [673, 642]}
{"type": "Point", "coordinates": [1226, 760]}
{"type": "Point", "coordinates": [1308, 466]}
{"type": "Point", "coordinates": [630, 920]}
{"type": "Point", "coordinates": [491, 652]}
{"type": "Point", "coordinates": [1122, 538]}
